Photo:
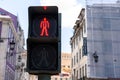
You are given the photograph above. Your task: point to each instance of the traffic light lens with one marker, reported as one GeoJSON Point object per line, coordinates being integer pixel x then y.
{"type": "Point", "coordinates": [44, 26]}
{"type": "Point", "coordinates": [43, 57]}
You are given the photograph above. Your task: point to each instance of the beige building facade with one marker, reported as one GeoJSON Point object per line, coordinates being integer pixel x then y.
{"type": "Point", "coordinates": [65, 68]}
{"type": "Point", "coordinates": [79, 58]}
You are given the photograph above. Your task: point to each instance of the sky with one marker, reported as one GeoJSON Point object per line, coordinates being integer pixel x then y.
{"type": "Point", "coordinates": [70, 10]}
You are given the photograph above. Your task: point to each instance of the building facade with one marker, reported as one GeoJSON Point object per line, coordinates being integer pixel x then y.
{"type": "Point", "coordinates": [65, 68]}
{"type": "Point", "coordinates": [96, 42]}
{"type": "Point", "coordinates": [9, 37]}
{"type": "Point", "coordinates": [24, 74]}
{"type": "Point", "coordinates": [33, 77]}
{"type": "Point", "coordinates": [79, 57]}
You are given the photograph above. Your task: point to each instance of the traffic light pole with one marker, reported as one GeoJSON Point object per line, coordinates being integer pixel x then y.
{"type": "Point", "coordinates": [44, 77]}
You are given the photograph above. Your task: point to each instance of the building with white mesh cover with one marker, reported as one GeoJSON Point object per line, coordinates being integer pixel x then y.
{"type": "Point", "coordinates": [96, 41]}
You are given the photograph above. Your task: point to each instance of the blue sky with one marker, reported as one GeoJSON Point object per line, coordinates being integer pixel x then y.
{"type": "Point", "coordinates": [70, 11]}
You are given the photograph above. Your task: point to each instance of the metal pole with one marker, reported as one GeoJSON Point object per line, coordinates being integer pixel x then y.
{"type": "Point", "coordinates": [44, 77]}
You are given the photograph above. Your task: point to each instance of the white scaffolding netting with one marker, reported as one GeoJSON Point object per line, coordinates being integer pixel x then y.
{"type": "Point", "coordinates": [103, 37]}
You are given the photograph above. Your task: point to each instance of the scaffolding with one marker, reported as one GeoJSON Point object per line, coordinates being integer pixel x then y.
{"type": "Point", "coordinates": [103, 38]}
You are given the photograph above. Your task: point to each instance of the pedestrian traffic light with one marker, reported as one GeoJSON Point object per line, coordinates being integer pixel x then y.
{"type": "Point", "coordinates": [43, 21]}
{"type": "Point", "coordinates": [44, 40]}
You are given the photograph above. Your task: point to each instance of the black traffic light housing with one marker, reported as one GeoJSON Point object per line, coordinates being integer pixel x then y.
{"type": "Point", "coordinates": [44, 40]}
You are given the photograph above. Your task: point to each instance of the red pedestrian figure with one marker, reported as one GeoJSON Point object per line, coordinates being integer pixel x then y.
{"type": "Point", "coordinates": [44, 25]}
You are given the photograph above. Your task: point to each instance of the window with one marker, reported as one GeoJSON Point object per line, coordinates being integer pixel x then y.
{"type": "Point", "coordinates": [85, 69]}
{"type": "Point", "coordinates": [72, 47]}
{"type": "Point", "coordinates": [74, 71]}
{"type": "Point", "coordinates": [76, 40]}
{"type": "Point", "coordinates": [68, 66]}
{"type": "Point", "coordinates": [74, 60]}
{"type": "Point", "coordinates": [55, 78]}
{"type": "Point", "coordinates": [75, 43]}
{"type": "Point", "coordinates": [77, 57]}
{"type": "Point", "coordinates": [77, 74]}
{"type": "Point", "coordinates": [80, 54]}
{"type": "Point", "coordinates": [84, 27]}
{"type": "Point", "coordinates": [80, 36]}
{"type": "Point", "coordinates": [82, 71]}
